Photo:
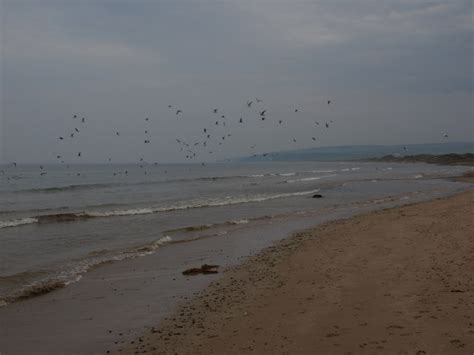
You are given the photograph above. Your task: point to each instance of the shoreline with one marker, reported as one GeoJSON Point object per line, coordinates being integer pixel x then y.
{"type": "Point", "coordinates": [336, 288]}
{"type": "Point", "coordinates": [115, 304]}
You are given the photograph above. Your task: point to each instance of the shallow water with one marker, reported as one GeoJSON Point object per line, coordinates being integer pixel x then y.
{"type": "Point", "coordinates": [56, 226]}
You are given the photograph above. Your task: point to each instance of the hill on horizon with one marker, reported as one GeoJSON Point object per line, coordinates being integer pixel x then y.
{"type": "Point", "coordinates": [357, 152]}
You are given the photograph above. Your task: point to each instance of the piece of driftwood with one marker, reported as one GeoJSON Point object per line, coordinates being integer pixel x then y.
{"type": "Point", "coordinates": [204, 269]}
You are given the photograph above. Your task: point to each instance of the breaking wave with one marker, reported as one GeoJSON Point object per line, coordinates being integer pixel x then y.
{"type": "Point", "coordinates": [198, 203]}
{"type": "Point", "coordinates": [73, 273]}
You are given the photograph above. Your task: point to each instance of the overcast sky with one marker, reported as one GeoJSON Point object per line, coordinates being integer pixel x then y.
{"type": "Point", "coordinates": [396, 72]}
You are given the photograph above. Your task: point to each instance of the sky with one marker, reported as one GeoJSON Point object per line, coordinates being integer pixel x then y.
{"type": "Point", "coordinates": [396, 72]}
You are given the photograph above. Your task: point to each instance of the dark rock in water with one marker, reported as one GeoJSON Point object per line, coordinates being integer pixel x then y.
{"type": "Point", "coordinates": [317, 196]}
{"type": "Point", "coordinates": [204, 269]}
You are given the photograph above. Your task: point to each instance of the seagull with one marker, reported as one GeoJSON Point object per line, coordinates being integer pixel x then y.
{"type": "Point", "coordinates": [117, 133]}
{"type": "Point", "coordinates": [279, 122]}
{"type": "Point", "coordinates": [61, 138]}
{"type": "Point", "coordinates": [79, 154]}
{"type": "Point", "coordinates": [446, 135]}
{"type": "Point", "coordinates": [329, 102]}
{"type": "Point", "coordinates": [327, 125]}
{"type": "Point", "coordinates": [316, 122]}
{"type": "Point", "coordinates": [178, 112]}
{"type": "Point", "coordinates": [83, 120]}
{"type": "Point", "coordinates": [76, 129]}
{"type": "Point", "coordinates": [217, 123]}
{"type": "Point", "coordinates": [240, 120]}
{"type": "Point", "coordinates": [146, 132]}
{"type": "Point", "coordinates": [294, 140]}
{"type": "Point", "coordinates": [75, 116]}
{"type": "Point", "coordinates": [258, 100]}
{"type": "Point", "coordinates": [215, 110]}
{"type": "Point", "coordinates": [263, 112]}
{"type": "Point", "coordinates": [14, 164]}
{"type": "Point", "coordinates": [169, 106]}
{"type": "Point", "coordinates": [296, 110]}
{"type": "Point", "coordinates": [205, 130]}
{"type": "Point", "coordinates": [147, 119]}
{"type": "Point", "coordinates": [222, 116]}
{"type": "Point", "coordinates": [71, 135]}
{"type": "Point", "coordinates": [147, 141]}
{"type": "Point", "coordinates": [249, 103]}
{"type": "Point", "coordinates": [313, 139]}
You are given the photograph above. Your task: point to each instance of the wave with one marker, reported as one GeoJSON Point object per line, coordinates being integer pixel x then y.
{"type": "Point", "coordinates": [17, 222]}
{"type": "Point", "coordinates": [67, 188]}
{"type": "Point", "coordinates": [309, 179]}
{"type": "Point", "coordinates": [60, 279]}
{"type": "Point", "coordinates": [69, 217]}
{"type": "Point", "coordinates": [77, 187]}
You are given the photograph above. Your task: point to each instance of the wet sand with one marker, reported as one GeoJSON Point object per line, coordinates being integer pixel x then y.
{"type": "Point", "coordinates": [397, 281]}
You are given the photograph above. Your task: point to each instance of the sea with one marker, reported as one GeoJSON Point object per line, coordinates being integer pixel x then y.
{"type": "Point", "coordinates": [57, 222]}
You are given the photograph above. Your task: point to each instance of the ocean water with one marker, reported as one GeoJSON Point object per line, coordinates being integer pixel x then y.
{"type": "Point", "coordinates": [57, 222]}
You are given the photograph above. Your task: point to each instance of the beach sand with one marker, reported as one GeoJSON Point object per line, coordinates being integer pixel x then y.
{"type": "Point", "coordinates": [398, 281]}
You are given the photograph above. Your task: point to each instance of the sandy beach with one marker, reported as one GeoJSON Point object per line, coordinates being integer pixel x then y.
{"type": "Point", "coordinates": [397, 281]}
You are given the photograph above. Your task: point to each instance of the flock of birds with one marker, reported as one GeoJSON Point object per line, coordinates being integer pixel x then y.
{"type": "Point", "coordinates": [191, 150]}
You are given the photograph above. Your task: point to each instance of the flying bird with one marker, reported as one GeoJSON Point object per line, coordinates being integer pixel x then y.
{"type": "Point", "coordinates": [61, 138]}
{"type": "Point", "coordinates": [83, 120]}
{"type": "Point", "coordinates": [329, 102]}
{"type": "Point", "coordinates": [240, 120]}
{"type": "Point", "coordinates": [178, 112]}
{"type": "Point", "coordinates": [215, 110]}
{"type": "Point", "coordinates": [296, 110]}
{"type": "Point", "coordinates": [249, 103]}
{"type": "Point", "coordinates": [263, 113]}
{"type": "Point", "coordinates": [258, 100]}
